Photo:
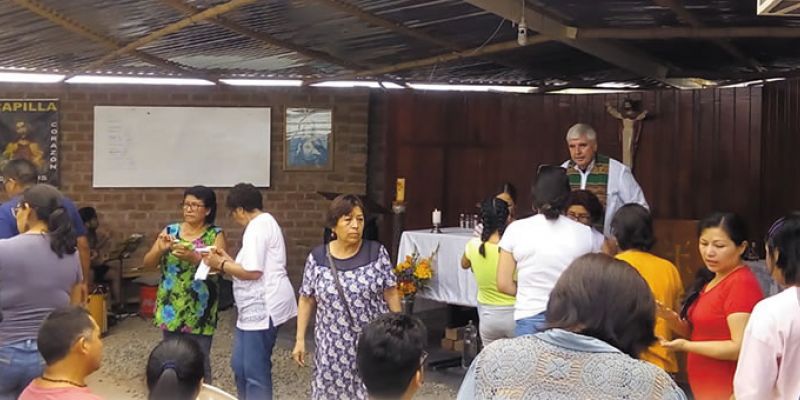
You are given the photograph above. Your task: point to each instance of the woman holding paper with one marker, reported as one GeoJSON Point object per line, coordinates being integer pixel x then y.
{"type": "Point", "coordinates": [185, 306]}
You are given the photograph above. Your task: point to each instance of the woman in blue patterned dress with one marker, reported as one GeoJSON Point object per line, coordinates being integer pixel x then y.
{"type": "Point", "coordinates": [184, 306]}
{"type": "Point", "coordinates": [366, 289]}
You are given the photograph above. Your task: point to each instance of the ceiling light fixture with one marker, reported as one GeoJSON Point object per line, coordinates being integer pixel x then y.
{"type": "Point", "coordinates": [135, 80]}
{"type": "Point", "coordinates": [263, 82]}
{"type": "Point", "coordinates": [24, 77]}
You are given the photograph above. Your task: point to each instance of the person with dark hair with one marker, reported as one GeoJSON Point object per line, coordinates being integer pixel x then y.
{"type": "Point", "coordinates": [18, 176]}
{"type": "Point", "coordinates": [508, 193]}
{"type": "Point", "coordinates": [186, 306]}
{"type": "Point", "coordinates": [610, 180]}
{"type": "Point", "coordinates": [769, 361]}
{"type": "Point", "coordinates": [717, 307]}
{"type": "Point", "coordinates": [39, 272]}
{"type": "Point", "coordinates": [391, 355]}
{"type": "Point", "coordinates": [495, 309]}
{"type": "Point", "coordinates": [264, 296]}
{"type": "Point", "coordinates": [600, 316]}
{"type": "Point", "coordinates": [347, 284]}
{"type": "Point", "coordinates": [175, 370]}
{"type": "Point", "coordinates": [632, 227]}
{"type": "Point", "coordinates": [584, 207]}
{"type": "Point", "coordinates": [98, 246]}
{"type": "Point", "coordinates": [538, 249]}
{"type": "Point", "coordinates": [69, 341]}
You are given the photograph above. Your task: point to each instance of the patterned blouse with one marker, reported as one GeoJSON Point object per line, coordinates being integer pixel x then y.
{"type": "Point", "coordinates": [182, 303]}
{"type": "Point", "coordinates": [558, 364]}
{"type": "Point", "coordinates": [364, 279]}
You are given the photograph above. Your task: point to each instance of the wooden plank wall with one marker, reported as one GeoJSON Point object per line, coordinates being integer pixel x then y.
{"type": "Point", "coordinates": [700, 150]}
{"type": "Point", "coordinates": [781, 127]}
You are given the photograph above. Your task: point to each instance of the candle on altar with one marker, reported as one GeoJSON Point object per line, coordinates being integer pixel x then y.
{"type": "Point", "coordinates": [400, 187]}
{"type": "Point", "coordinates": [437, 217]}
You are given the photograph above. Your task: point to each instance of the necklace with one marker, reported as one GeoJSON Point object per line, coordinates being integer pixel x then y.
{"type": "Point", "coordinates": [44, 378]}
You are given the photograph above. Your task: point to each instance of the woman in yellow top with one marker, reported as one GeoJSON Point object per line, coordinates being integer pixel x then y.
{"type": "Point", "coordinates": [495, 309]}
{"type": "Point", "coordinates": [632, 227]}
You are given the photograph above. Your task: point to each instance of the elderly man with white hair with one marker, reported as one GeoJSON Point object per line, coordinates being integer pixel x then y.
{"type": "Point", "coordinates": [610, 180]}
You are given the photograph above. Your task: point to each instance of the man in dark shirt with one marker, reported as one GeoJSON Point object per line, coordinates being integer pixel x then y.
{"type": "Point", "coordinates": [19, 175]}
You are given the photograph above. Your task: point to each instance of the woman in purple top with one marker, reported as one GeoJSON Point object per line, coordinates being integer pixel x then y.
{"type": "Point", "coordinates": [366, 288]}
{"type": "Point", "coordinates": [39, 272]}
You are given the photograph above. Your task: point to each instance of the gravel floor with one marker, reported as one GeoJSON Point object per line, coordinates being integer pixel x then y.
{"type": "Point", "coordinates": [128, 344]}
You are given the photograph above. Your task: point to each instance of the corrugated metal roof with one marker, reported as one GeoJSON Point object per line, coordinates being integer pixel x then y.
{"type": "Point", "coordinates": [316, 39]}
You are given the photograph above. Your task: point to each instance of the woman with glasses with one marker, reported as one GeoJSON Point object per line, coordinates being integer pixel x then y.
{"type": "Point", "coordinates": [185, 306]}
{"type": "Point", "coordinates": [39, 272]}
{"type": "Point", "coordinates": [583, 206]}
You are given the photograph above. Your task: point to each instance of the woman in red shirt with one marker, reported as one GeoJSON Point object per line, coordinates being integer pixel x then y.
{"type": "Point", "coordinates": [716, 309]}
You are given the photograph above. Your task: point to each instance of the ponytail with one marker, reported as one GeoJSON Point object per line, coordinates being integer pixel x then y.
{"type": "Point", "coordinates": [62, 236]}
{"type": "Point", "coordinates": [701, 279]}
{"type": "Point", "coordinates": [494, 217]}
{"type": "Point", "coordinates": [174, 370]}
{"type": "Point", "coordinates": [169, 386]}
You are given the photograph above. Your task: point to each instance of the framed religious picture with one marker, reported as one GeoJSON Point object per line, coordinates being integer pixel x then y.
{"type": "Point", "coordinates": [308, 145]}
{"type": "Point", "coordinates": [29, 129]}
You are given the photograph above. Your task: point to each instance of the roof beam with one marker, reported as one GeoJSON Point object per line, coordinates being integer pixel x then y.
{"type": "Point", "coordinates": [266, 38]}
{"type": "Point", "coordinates": [623, 57]}
{"type": "Point", "coordinates": [687, 17]}
{"type": "Point", "coordinates": [444, 58]}
{"type": "Point", "coordinates": [401, 29]}
{"type": "Point", "coordinates": [665, 33]}
{"type": "Point", "coordinates": [76, 27]}
{"type": "Point", "coordinates": [169, 29]}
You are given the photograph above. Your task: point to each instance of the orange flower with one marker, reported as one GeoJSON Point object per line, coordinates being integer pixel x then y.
{"type": "Point", "coordinates": [423, 271]}
{"type": "Point", "coordinates": [406, 288]}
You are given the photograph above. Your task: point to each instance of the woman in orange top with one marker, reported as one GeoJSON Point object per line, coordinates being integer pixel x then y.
{"type": "Point", "coordinates": [716, 311]}
{"type": "Point", "coordinates": [632, 227]}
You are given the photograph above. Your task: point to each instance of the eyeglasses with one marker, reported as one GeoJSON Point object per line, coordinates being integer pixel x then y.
{"type": "Point", "coordinates": [580, 217]}
{"type": "Point", "coordinates": [191, 206]}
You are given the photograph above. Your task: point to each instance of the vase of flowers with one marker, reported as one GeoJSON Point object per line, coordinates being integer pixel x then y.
{"type": "Point", "coordinates": [413, 273]}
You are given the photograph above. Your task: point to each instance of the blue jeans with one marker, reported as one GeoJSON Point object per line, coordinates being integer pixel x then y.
{"type": "Point", "coordinates": [530, 325]}
{"type": "Point", "coordinates": [205, 346]}
{"type": "Point", "coordinates": [20, 363]}
{"type": "Point", "coordinates": [252, 362]}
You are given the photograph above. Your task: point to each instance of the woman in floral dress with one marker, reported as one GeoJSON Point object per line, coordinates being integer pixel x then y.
{"type": "Point", "coordinates": [369, 289]}
{"type": "Point", "coordinates": [185, 306]}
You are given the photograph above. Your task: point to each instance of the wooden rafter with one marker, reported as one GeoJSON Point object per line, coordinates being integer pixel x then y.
{"type": "Point", "coordinates": [76, 27]}
{"type": "Point", "coordinates": [401, 29]}
{"type": "Point", "coordinates": [666, 33]}
{"type": "Point", "coordinates": [266, 38]}
{"type": "Point", "coordinates": [687, 17]}
{"type": "Point", "coordinates": [169, 29]}
{"type": "Point", "coordinates": [445, 58]}
{"type": "Point", "coordinates": [624, 57]}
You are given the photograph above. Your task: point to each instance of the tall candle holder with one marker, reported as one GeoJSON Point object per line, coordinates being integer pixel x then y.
{"type": "Point", "coordinates": [436, 228]}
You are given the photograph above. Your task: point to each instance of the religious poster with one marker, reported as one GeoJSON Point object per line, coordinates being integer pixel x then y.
{"type": "Point", "coordinates": [309, 139]}
{"type": "Point", "coordinates": [29, 129]}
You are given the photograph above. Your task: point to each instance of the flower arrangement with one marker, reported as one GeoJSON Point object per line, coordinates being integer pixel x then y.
{"type": "Point", "coordinates": [413, 273]}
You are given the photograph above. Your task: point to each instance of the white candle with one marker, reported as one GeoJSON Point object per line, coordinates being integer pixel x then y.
{"type": "Point", "coordinates": [437, 217]}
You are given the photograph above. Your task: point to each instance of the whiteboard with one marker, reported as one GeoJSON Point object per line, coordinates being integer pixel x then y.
{"type": "Point", "coordinates": [181, 146]}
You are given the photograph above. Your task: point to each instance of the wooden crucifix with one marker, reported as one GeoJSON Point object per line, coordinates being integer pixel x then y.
{"type": "Point", "coordinates": [631, 129]}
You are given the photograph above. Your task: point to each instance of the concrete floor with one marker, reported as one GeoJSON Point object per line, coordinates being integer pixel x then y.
{"type": "Point", "coordinates": [127, 345]}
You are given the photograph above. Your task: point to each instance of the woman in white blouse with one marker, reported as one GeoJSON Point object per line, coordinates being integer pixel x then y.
{"type": "Point", "coordinates": [769, 362]}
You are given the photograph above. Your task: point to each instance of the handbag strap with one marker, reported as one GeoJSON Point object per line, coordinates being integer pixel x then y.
{"type": "Point", "coordinates": [339, 286]}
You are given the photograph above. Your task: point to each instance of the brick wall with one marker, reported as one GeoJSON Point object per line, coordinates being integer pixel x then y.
{"type": "Point", "coordinates": [292, 197]}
